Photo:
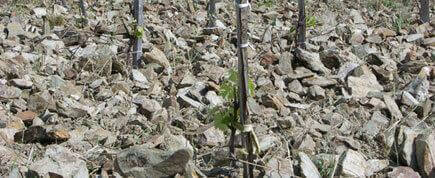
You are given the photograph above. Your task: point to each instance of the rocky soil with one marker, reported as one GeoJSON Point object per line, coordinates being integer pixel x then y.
{"type": "Point", "coordinates": [357, 102]}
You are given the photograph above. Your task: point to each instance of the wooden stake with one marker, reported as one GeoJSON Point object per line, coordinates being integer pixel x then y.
{"type": "Point", "coordinates": [243, 9]}
{"type": "Point", "coordinates": [82, 7]}
{"type": "Point", "coordinates": [211, 13]}
{"type": "Point", "coordinates": [302, 27]}
{"type": "Point", "coordinates": [137, 49]}
{"type": "Point", "coordinates": [424, 11]}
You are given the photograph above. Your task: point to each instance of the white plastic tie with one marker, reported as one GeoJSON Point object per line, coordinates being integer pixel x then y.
{"type": "Point", "coordinates": [244, 45]}
{"type": "Point", "coordinates": [136, 52]}
{"type": "Point", "coordinates": [248, 128]}
{"type": "Point", "coordinates": [245, 5]}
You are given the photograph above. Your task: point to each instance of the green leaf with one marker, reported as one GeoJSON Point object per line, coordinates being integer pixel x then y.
{"type": "Point", "coordinates": [251, 87]}
{"type": "Point", "coordinates": [311, 21]}
{"type": "Point", "coordinates": [222, 119]}
{"type": "Point", "coordinates": [233, 76]}
{"type": "Point", "coordinates": [139, 32]}
{"type": "Point", "coordinates": [227, 91]}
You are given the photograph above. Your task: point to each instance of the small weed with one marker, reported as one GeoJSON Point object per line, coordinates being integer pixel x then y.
{"type": "Point", "coordinates": [325, 168]}
{"type": "Point", "coordinates": [399, 22]}
{"type": "Point", "coordinates": [390, 4]}
{"type": "Point", "coordinates": [266, 3]}
{"type": "Point", "coordinates": [57, 20]}
{"type": "Point", "coordinates": [311, 22]}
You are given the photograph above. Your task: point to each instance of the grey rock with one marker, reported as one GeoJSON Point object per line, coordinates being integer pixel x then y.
{"type": "Point", "coordinates": [317, 92]}
{"type": "Point", "coordinates": [58, 9]}
{"type": "Point", "coordinates": [30, 57]}
{"type": "Point", "coordinates": [9, 157]}
{"type": "Point", "coordinates": [71, 108]}
{"type": "Point", "coordinates": [138, 76]}
{"type": "Point", "coordinates": [61, 161]}
{"type": "Point", "coordinates": [313, 61]}
{"type": "Point", "coordinates": [15, 173]}
{"type": "Point", "coordinates": [39, 12]}
{"type": "Point", "coordinates": [345, 69]}
{"type": "Point", "coordinates": [22, 83]}
{"type": "Point", "coordinates": [350, 142]}
{"type": "Point", "coordinates": [356, 16]}
{"type": "Point", "coordinates": [263, 81]}
{"type": "Point", "coordinates": [285, 64]}
{"type": "Point", "coordinates": [377, 103]}
{"type": "Point", "coordinates": [296, 86]}
{"type": "Point", "coordinates": [298, 105]}
{"type": "Point", "coordinates": [148, 107]}
{"type": "Point", "coordinates": [254, 107]}
{"type": "Point", "coordinates": [15, 29]}
{"type": "Point", "coordinates": [104, 94]}
{"type": "Point", "coordinates": [353, 164]}
{"type": "Point", "coordinates": [429, 41]}
{"type": "Point", "coordinates": [403, 172]}
{"type": "Point", "coordinates": [97, 83]}
{"type": "Point", "coordinates": [267, 141]}
{"type": "Point", "coordinates": [408, 99]}
{"type": "Point", "coordinates": [300, 72]}
{"type": "Point", "coordinates": [374, 39]}
{"type": "Point", "coordinates": [173, 143]}
{"type": "Point", "coordinates": [320, 81]}
{"type": "Point", "coordinates": [212, 137]}
{"type": "Point", "coordinates": [279, 82]}
{"type": "Point", "coordinates": [184, 99]}
{"type": "Point", "coordinates": [188, 80]}
{"type": "Point", "coordinates": [293, 97]}
{"type": "Point", "coordinates": [37, 122]}
{"type": "Point", "coordinates": [56, 81]}
{"type": "Point", "coordinates": [8, 135]}
{"type": "Point", "coordinates": [376, 123]}
{"type": "Point", "coordinates": [308, 169]}
{"type": "Point", "coordinates": [157, 56]}
{"type": "Point", "coordinates": [41, 101]}
{"type": "Point", "coordinates": [121, 86]}
{"type": "Point", "coordinates": [140, 161]}
{"type": "Point", "coordinates": [279, 167]}
{"type": "Point", "coordinates": [214, 99]}
{"type": "Point", "coordinates": [307, 144]}
{"type": "Point", "coordinates": [414, 37]}
{"type": "Point", "coordinates": [56, 45]}
{"type": "Point", "coordinates": [101, 136]}
{"type": "Point", "coordinates": [392, 107]}
{"type": "Point", "coordinates": [404, 141]}
{"type": "Point", "coordinates": [376, 165]}
{"type": "Point", "coordinates": [357, 37]}
{"type": "Point", "coordinates": [272, 101]}
{"type": "Point", "coordinates": [7, 92]}
{"type": "Point", "coordinates": [363, 84]}
{"type": "Point", "coordinates": [425, 153]}
{"type": "Point", "coordinates": [267, 35]}
{"type": "Point", "coordinates": [419, 86]}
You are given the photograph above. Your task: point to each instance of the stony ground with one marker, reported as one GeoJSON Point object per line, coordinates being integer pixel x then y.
{"type": "Point", "coordinates": [357, 102]}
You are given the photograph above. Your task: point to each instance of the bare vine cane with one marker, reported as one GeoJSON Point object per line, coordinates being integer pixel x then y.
{"type": "Point", "coordinates": [302, 26]}
{"type": "Point", "coordinates": [137, 48]}
{"type": "Point", "coordinates": [243, 7]}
